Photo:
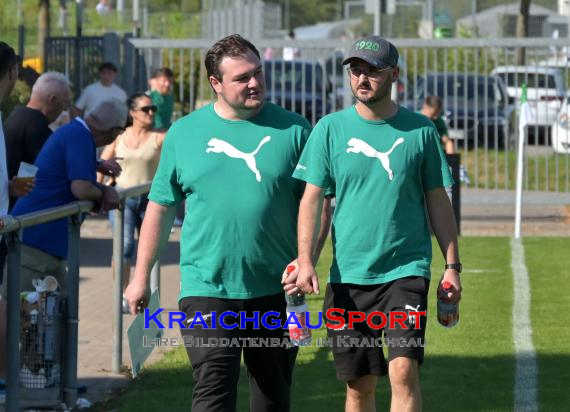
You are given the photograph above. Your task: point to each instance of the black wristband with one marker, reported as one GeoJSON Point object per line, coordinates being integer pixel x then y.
{"type": "Point", "coordinates": [455, 266]}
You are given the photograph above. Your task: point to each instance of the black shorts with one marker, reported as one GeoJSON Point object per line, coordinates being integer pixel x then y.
{"type": "Point", "coordinates": [216, 369]}
{"type": "Point", "coordinates": [360, 351]}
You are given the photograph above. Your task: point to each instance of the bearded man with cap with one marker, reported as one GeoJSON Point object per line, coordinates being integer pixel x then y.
{"type": "Point", "coordinates": [386, 167]}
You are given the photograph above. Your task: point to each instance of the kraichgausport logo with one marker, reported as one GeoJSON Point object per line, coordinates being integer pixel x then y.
{"type": "Point", "coordinates": [334, 319]}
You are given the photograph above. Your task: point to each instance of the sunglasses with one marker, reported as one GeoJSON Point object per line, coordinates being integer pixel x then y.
{"type": "Point", "coordinates": [147, 109]}
{"type": "Point", "coordinates": [371, 73]}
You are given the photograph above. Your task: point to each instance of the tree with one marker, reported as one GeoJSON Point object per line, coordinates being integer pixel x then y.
{"type": "Point", "coordinates": [522, 28]}
{"type": "Point", "coordinates": [43, 25]}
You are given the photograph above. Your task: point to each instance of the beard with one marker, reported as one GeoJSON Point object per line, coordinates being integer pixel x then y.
{"type": "Point", "coordinates": [371, 97]}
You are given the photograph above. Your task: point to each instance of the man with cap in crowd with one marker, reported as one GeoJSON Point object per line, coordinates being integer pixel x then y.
{"type": "Point", "coordinates": [386, 166]}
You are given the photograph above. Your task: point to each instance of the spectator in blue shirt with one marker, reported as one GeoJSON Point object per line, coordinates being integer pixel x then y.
{"type": "Point", "coordinates": [67, 172]}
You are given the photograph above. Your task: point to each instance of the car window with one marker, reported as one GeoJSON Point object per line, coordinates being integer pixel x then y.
{"type": "Point", "coordinates": [533, 80]}
{"type": "Point", "coordinates": [460, 87]}
{"type": "Point", "coordinates": [288, 73]}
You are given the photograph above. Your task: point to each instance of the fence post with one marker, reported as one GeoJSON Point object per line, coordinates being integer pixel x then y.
{"type": "Point", "coordinates": [118, 234]}
{"type": "Point", "coordinates": [13, 320]}
{"type": "Point", "coordinates": [72, 312]}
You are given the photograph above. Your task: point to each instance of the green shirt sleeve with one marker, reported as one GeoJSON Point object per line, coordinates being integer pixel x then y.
{"type": "Point", "coordinates": [314, 164]}
{"type": "Point", "coordinates": [441, 126]}
{"type": "Point", "coordinates": [435, 170]}
{"type": "Point", "coordinates": [165, 189]}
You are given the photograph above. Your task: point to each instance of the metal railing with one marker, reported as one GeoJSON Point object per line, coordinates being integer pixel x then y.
{"type": "Point", "coordinates": [13, 226]}
{"type": "Point", "coordinates": [118, 263]}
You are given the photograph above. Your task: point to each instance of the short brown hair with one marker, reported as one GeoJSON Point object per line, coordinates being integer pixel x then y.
{"type": "Point", "coordinates": [230, 46]}
{"type": "Point", "coordinates": [107, 66]}
{"type": "Point", "coordinates": [163, 71]}
{"type": "Point", "coordinates": [434, 102]}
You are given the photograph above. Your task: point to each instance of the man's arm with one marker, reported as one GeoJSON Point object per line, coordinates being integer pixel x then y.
{"type": "Point", "coordinates": [105, 197]}
{"type": "Point", "coordinates": [85, 190]}
{"type": "Point", "coordinates": [153, 238]}
{"type": "Point", "coordinates": [289, 278]}
{"type": "Point", "coordinates": [325, 225]}
{"type": "Point", "coordinates": [448, 144]}
{"type": "Point", "coordinates": [443, 225]}
{"type": "Point", "coordinates": [310, 212]}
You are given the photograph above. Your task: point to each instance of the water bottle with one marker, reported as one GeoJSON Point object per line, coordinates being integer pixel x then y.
{"type": "Point", "coordinates": [300, 336]}
{"type": "Point", "coordinates": [447, 313]}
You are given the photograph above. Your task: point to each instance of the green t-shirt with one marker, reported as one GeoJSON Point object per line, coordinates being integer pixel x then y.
{"type": "Point", "coordinates": [379, 171]}
{"type": "Point", "coordinates": [165, 105]}
{"type": "Point", "coordinates": [439, 124]}
{"type": "Point", "coordinates": [239, 232]}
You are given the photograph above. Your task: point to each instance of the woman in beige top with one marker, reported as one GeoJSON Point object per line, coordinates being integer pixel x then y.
{"type": "Point", "coordinates": [137, 150]}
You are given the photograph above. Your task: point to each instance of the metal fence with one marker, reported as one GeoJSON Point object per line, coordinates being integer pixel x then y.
{"type": "Point", "coordinates": [79, 58]}
{"type": "Point", "coordinates": [479, 80]}
{"type": "Point", "coordinates": [17, 396]}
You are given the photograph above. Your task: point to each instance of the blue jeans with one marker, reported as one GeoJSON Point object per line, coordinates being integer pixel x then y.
{"type": "Point", "coordinates": [135, 208]}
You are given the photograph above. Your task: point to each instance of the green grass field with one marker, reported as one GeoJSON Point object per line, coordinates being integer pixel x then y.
{"type": "Point", "coordinates": [468, 368]}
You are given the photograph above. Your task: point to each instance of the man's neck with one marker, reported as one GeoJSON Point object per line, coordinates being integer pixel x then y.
{"type": "Point", "coordinates": [37, 105]}
{"type": "Point", "coordinates": [227, 112]}
{"type": "Point", "coordinates": [106, 84]}
{"type": "Point", "coordinates": [378, 111]}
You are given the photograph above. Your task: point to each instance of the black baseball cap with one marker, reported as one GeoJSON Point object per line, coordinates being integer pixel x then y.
{"type": "Point", "coordinates": [375, 51]}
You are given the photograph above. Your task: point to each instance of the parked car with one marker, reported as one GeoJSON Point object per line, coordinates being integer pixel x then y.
{"type": "Point", "coordinates": [475, 106]}
{"type": "Point", "coordinates": [561, 129]}
{"type": "Point", "coordinates": [545, 92]}
{"type": "Point", "coordinates": [299, 86]}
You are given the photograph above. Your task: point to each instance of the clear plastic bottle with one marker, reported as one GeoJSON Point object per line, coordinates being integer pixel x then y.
{"type": "Point", "coordinates": [300, 336]}
{"type": "Point", "coordinates": [447, 313]}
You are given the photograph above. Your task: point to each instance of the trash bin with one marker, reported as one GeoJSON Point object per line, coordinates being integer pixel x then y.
{"type": "Point", "coordinates": [41, 349]}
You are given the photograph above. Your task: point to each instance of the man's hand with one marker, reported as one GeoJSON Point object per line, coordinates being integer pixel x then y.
{"type": "Point", "coordinates": [289, 278]}
{"type": "Point", "coordinates": [307, 280]}
{"type": "Point", "coordinates": [21, 186]}
{"type": "Point", "coordinates": [110, 199]}
{"type": "Point", "coordinates": [453, 295]}
{"type": "Point", "coordinates": [137, 296]}
{"type": "Point", "coordinates": [110, 167]}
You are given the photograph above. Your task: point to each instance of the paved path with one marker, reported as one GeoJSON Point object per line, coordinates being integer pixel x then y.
{"type": "Point", "coordinates": [95, 308]}
{"type": "Point", "coordinates": [491, 213]}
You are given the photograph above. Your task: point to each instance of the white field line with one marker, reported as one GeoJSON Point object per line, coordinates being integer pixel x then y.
{"type": "Point", "coordinates": [526, 374]}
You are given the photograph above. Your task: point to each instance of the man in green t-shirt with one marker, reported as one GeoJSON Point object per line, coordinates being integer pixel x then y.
{"type": "Point", "coordinates": [232, 162]}
{"type": "Point", "coordinates": [161, 94]}
{"type": "Point", "coordinates": [432, 108]}
{"type": "Point", "coordinates": [385, 164]}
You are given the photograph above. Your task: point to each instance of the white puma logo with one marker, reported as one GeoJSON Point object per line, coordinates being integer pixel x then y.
{"type": "Point", "coordinates": [360, 146]}
{"type": "Point", "coordinates": [219, 146]}
{"type": "Point", "coordinates": [412, 319]}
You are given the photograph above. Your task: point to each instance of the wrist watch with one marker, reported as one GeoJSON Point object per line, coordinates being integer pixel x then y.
{"type": "Point", "coordinates": [455, 266]}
